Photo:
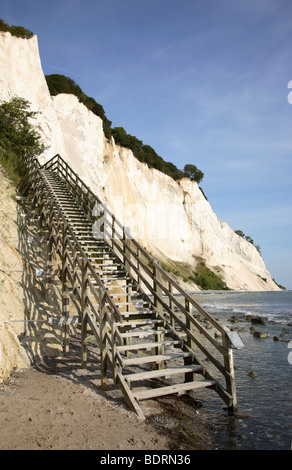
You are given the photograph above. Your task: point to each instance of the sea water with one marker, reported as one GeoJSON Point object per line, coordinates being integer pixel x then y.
{"type": "Point", "coordinates": [264, 420]}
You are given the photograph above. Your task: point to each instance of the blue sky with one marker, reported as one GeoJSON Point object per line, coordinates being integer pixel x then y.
{"type": "Point", "coordinates": [202, 82]}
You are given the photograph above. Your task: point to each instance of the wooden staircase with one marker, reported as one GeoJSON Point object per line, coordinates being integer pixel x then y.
{"type": "Point", "coordinates": [146, 335]}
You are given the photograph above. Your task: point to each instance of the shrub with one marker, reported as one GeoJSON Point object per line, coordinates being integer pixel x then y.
{"type": "Point", "coordinates": [18, 31]}
{"type": "Point", "coordinates": [17, 135]}
{"type": "Point", "coordinates": [193, 173]}
{"type": "Point", "coordinates": [279, 285]}
{"type": "Point", "coordinates": [207, 279]}
{"type": "Point", "coordinates": [248, 239]}
{"type": "Point", "coordinates": [16, 130]}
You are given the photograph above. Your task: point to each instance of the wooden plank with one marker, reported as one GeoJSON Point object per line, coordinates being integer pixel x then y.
{"type": "Point", "coordinates": [152, 374]}
{"type": "Point", "coordinates": [149, 345]}
{"type": "Point", "coordinates": [129, 397]}
{"type": "Point", "coordinates": [144, 333]}
{"type": "Point", "coordinates": [157, 358]}
{"type": "Point", "coordinates": [110, 279]}
{"type": "Point", "coordinates": [109, 287]}
{"type": "Point", "coordinates": [145, 313]}
{"type": "Point", "coordinates": [172, 389]}
{"type": "Point", "coordinates": [102, 334]}
{"type": "Point", "coordinates": [135, 304]}
{"type": "Point", "coordinates": [138, 323]}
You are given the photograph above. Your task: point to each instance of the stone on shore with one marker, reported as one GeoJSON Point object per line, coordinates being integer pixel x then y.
{"type": "Point", "coordinates": [261, 334]}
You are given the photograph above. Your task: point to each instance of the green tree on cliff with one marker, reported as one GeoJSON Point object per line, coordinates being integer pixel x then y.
{"type": "Point", "coordinates": [16, 135]}
{"type": "Point", "coordinates": [193, 173]}
{"type": "Point", "coordinates": [16, 130]}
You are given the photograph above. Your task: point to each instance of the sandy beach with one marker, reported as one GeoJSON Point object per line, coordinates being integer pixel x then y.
{"type": "Point", "coordinates": [58, 406]}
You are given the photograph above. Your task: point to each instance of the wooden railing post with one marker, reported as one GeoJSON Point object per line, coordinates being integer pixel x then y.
{"type": "Point", "coordinates": [126, 242]}
{"type": "Point", "coordinates": [126, 246]}
{"type": "Point", "coordinates": [48, 281]}
{"type": "Point", "coordinates": [158, 291]}
{"type": "Point", "coordinates": [189, 325]}
{"type": "Point", "coordinates": [158, 295]}
{"type": "Point", "coordinates": [114, 340]}
{"type": "Point", "coordinates": [65, 294]}
{"type": "Point", "coordinates": [189, 377]}
{"type": "Point", "coordinates": [84, 319]}
{"type": "Point", "coordinates": [229, 366]}
{"type": "Point", "coordinates": [103, 341]}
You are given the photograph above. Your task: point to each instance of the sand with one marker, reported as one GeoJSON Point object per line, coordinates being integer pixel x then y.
{"type": "Point", "coordinates": [58, 406]}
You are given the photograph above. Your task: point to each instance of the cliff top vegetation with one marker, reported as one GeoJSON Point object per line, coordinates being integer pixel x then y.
{"type": "Point", "coordinates": [18, 31]}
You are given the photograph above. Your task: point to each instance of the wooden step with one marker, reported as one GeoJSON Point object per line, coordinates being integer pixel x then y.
{"type": "Point", "coordinates": [102, 257]}
{"type": "Point", "coordinates": [140, 312]}
{"type": "Point", "coordinates": [172, 389]}
{"type": "Point", "coordinates": [130, 295]}
{"type": "Point", "coordinates": [135, 304]}
{"type": "Point", "coordinates": [86, 231]}
{"type": "Point", "coordinates": [65, 199]}
{"type": "Point", "coordinates": [149, 345]}
{"type": "Point", "coordinates": [139, 323]}
{"type": "Point", "coordinates": [117, 271]}
{"type": "Point", "coordinates": [78, 219]}
{"type": "Point", "coordinates": [105, 265]}
{"type": "Point", "coordinates": [78, 225]}
{"type": "Point", "coordinates": [142, 334]}
{"type": "Point", "coordinates": [153, 374]}
{"type": "Point", "coordinates": [100, 248]}
{"type": "Point", "coordinates": [73, 212]}
{"type": "Point", "coordinates": [157, 358]}
{"type": "Point", "coordinates": [97, 260]}
{"type": "Point", "coordinates": [135, 316]}
{"type": "Point", "coordinates": [124, 286]}
{"type": "Point", "coordinates": [110, 279]}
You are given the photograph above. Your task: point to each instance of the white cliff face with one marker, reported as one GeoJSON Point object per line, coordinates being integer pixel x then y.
{"type": "Point", "coordinates": [21, 75]}
{"type": "Point", "coordinates": [171, 219]}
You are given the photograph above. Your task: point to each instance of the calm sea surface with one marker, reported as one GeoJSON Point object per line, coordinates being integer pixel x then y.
{"type": "Point", "coordinates": [264, 401]}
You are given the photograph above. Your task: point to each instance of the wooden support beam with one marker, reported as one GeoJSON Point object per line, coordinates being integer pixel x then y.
{"type": "Point", "coordinates": [230, 378]}
{"type": "Point", "coordinates": [84, 320]}
{"type": "Point", "coordinates": [189, 377]}
{"type": "Point", "coordinates": [103, 341]}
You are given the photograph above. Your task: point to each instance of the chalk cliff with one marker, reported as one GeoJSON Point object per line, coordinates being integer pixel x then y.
{"type": "Point", "coordinates": [171, 219]}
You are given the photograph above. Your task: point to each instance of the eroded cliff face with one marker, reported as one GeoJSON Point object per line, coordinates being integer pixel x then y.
{"type": "Point", "coordinates": [171, 219]}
